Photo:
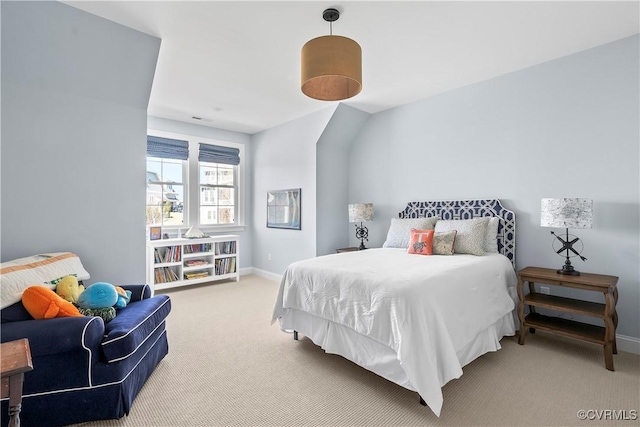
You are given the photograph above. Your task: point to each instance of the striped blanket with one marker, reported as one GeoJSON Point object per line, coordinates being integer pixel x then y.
{"type": "Point", "coordinates": [43, 269]}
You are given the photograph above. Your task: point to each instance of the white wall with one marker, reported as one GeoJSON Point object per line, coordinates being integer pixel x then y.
{"type": "Point", "coordinates": [173, 126]}
{"type": "Point", "coordinates": [285, 157]}
{"type": "Point", "coordinates": [75, 90]}
{"type": "Point", "coordinates": [565, 128]}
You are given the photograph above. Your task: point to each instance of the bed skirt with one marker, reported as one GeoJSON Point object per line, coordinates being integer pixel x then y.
{"type": "Point", "coordinates": [377, 357]}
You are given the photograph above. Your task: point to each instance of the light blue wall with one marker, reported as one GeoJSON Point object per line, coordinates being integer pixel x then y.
{"type": "Point", "coordinates": [565, 128]}
{"type": "Point", "coordinates": [332, 176]}
{"type": "Point", "coordinates": [166, 125]}
{"type": "Point", "coordinates": [309, 153]}
{"type": "Point", "coordinates": [285, 157]}
{"type": "Point", "coordinates": [75, 90]}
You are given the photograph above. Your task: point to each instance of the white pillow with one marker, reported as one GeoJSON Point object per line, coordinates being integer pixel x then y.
{"type": "Point", "coordinates": [19, 274]}
{"type": "Point", "coordinates": [399, 233]}
{"type": "Point", "coordinates": [491, 236]}
{"type": "Point", "coordinates": [470, 234]}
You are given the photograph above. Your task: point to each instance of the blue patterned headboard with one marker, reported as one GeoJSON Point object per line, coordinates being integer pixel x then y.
{"type": "Point", "coordinates": [467, 209]}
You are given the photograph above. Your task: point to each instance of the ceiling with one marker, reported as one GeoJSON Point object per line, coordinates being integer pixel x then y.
{"type": "Point", "coordinates": [236, 64]}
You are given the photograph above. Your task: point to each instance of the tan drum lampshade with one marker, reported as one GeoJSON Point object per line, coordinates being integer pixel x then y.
{"type": "Point", "coordinates": [331, 66]}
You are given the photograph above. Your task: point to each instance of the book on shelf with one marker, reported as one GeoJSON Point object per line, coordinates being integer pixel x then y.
{"type": "Point", "coordinates": [197, 248]}
{"type": "Point", "coordinates": [225, 248]}
{"type": "Point", "coordinates": [165, 275]}
{"type": "Point", "coordinates": [173, 254]}
{"type": "Point", "coordinates": [195, 262]}
{"type": "Point", "coordinates": [168, 254]}
{"type": "Point", "coordinates": [225, 266]}
{"type": "Point", "coordinates": [195, 275]}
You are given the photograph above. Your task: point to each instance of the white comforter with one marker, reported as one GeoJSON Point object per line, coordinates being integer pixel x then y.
{"type": "Point", "coordinates": [425, 308]}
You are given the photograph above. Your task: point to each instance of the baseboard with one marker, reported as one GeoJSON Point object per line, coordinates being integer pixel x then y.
{"type": "Point", "coordinates": [245, 271]}
{"type": "Point", "coordinates": [266, 274]}
{"type": "Point", "coordinates": [628, 344]}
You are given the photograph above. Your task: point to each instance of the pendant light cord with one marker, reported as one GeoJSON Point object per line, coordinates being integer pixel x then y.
{"type": "Point", "coordinates": [331, 15]}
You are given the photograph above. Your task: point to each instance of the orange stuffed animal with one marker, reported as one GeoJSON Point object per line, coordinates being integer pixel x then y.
{"type": "Point", "coordinates": [43, 303]}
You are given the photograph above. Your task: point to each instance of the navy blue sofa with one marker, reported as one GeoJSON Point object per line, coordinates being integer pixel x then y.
{"type": "Point", "coordinates": [84, 369]}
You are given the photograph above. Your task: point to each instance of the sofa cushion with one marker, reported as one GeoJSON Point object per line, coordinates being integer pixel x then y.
{"type": "Point", "coordinates": [133, 325]}
{"type": "Point", "coordinates": [15, 313]}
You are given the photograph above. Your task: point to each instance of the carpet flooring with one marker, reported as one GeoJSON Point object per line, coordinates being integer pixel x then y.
{"type": "Point", "coordinates": [228, 366]}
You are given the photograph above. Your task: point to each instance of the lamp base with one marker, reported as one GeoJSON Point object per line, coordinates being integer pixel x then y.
{"type": "Point", "coordinates": [362, 233]}
{"type": "Point", "coordinates": [568, 270]}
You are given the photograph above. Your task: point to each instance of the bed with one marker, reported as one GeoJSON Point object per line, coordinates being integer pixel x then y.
{"type": "Point", "coordinates": [414, 320]}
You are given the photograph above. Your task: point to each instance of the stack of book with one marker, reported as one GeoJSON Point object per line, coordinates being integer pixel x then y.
{"type": "Point", "coordinates": [195, 262]}
{"type": "Point", "coordinates": [165, 274]}
{"type": "Point", "coordinates": [195, 275]}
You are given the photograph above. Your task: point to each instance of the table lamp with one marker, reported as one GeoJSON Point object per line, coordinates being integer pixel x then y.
{"type": "Point", "coordinates": [360, 212]}
{"type": "Point", "coordinates": [567, 213]}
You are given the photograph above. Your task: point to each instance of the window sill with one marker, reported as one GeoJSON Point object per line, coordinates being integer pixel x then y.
{"type": "Point", "coordinates": [176, 231]}
{"type": "Point", "coordinates": [221, 229]}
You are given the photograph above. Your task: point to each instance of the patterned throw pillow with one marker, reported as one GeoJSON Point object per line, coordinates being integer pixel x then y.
{"type": "Point", "coordinates": [421, 242]}
{"type": "Point", "coordinates": [443, 242]}
{"type": "Point", "coordinates": [470, 234]}
{"type": "Point", "coordinates": [400, 230]}
{"type": "Point", "coordinates": [491, 236]}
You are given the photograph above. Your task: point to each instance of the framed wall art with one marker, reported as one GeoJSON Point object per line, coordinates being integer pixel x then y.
{"type": "Point", "coordinates": [155, 233]}
{"type": "Point", "coordinates": [283, 209]}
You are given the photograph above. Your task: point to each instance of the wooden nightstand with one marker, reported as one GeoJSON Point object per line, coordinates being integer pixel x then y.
{"type": "Point", "coordinates": [605, 336]}
{"type": "Point", "coordinates": [351, 249]}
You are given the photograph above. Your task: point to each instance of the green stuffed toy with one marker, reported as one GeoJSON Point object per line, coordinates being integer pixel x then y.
{"type": "Point", "coordinates": [107, 313]}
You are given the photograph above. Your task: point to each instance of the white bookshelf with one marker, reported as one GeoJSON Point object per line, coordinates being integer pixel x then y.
{"type": "Point", "coordinates": [181, 262]}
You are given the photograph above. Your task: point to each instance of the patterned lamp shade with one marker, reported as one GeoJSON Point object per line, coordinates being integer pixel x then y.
{"type": "Point", "coordinates": [566, 213]}
{"type": "Point", "coordinates": [359, 212]}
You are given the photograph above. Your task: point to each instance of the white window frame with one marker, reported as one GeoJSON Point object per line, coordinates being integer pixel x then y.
{"type": "Point", "coordinates": [235, 193]}
{"type": "Point", "coordinates": [191, 204]}
{"type": "Point", "coordinates": [162, 186]}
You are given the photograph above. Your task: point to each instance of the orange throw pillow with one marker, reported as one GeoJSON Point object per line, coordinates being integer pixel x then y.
{"type": "Point", "coordinates": [421, 242]}
{"type": "Point", "coordinates": [43, 303]}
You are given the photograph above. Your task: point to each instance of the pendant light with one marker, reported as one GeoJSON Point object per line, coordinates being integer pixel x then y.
{"type": "Point", "coordinates": [331, 65]}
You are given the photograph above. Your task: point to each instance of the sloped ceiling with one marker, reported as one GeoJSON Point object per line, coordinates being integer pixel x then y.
{"type": "Point", "coordinates": [235, 65]}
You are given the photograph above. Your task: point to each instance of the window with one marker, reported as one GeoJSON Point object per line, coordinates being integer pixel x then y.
{"type": "Point", "coordinates": [165, 181]}
{"type": "Point", "coordinates": [213, 200]}
{"type": "Point", "coordinates": [218, 167]}
{"type": "Point", "coordinates": [165, 192]}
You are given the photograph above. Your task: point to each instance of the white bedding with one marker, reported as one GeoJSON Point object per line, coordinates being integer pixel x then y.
{"type": "Point", "coordinates": [426, 309]}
